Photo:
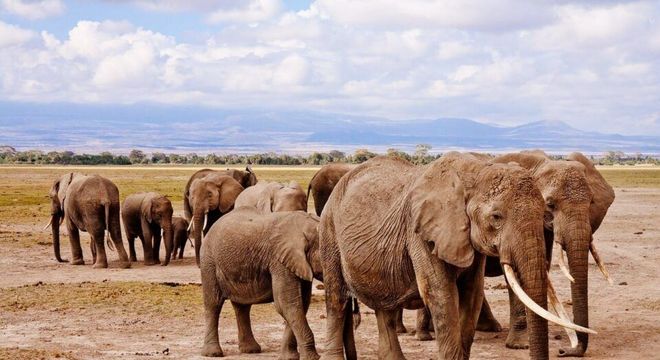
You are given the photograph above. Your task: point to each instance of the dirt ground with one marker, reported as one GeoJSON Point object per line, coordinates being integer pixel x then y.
{"type": "Point", "coordinates": [51, 310]}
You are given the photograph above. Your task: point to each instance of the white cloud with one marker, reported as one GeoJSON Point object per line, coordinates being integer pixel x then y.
{"type": "Point", "coordinates": [251, 12]}
{"type": "Point", "coordinates": [33, 9]}
{"type": "Point", "coordinates": [13, 35]}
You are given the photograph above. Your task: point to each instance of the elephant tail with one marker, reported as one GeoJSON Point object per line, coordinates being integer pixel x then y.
{"type": "Point", "coordinates": [111, 246]}
{"type": "Point", "coordinates": [357, 318]}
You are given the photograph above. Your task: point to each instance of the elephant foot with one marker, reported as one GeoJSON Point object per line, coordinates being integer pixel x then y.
{"type": "Point", "coordinates": [78, 262]}
{"type": "Point", "coordinates": [289, 355]}
{"type": "Point", "coordinates": [149, 262]}
{"type": "Point", "coordinates": [100, 265]}
{"type": "Point", "coordinates": [212, 350]}
{"type": "Point", "coordinates": [125, 264]}
{"type": "Point", "coordinates": [133, 258]}
{"type": "Point", "coordinates": [577, 351]}
{"type": "Point", "coordinates": [401, 329]}
{"type": "Point", "coordinates": [517, 339]}
{"type": "Point", "coordinates": [489, 325]}
{"type": "Point", "coordinates": [249, 347]}
{"type": "Point", "coordinates": [423, 335]}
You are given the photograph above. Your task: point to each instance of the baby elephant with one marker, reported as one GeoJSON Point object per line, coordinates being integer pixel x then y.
{"type": "Point", "coordinates": [181, 235]}
{"type": "Point", "coordinates": [252, 257]}
{"type": "Point", "coordinates": [144, 215]}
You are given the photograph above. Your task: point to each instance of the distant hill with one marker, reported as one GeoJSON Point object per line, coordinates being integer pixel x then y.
{"type": "Point", "coordinates": [192, 129]}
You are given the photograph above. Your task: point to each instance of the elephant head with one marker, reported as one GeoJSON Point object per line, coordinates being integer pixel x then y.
{"type": "Point", "coordinates": [57, 195]}
{"type": "Point", "coordinates": [297, 245]}
{"type": "Point", "coordinates": [214, 194]}
{"type": "Point", "coordinates": [577, 198]}
{"type": "Point", "coordinates": [463, 204]}
{"type": "Point", "coordinates": [158, 209]}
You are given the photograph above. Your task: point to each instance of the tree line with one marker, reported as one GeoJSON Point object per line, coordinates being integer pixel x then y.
{"type": "Point", "coordinates": [421, 155]}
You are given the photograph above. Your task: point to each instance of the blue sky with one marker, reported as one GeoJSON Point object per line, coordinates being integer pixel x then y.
{"type": "Point", "coordinates": [592, 64]}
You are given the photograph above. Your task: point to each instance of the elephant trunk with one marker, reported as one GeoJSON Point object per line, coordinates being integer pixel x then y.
{"type": "Point", "coordinates": [575, 239]}
{"type": "Point", "coordinates": [168, 239]}
{"type": "Point", "coordinates": [529, 262]}
{"type": "Point", "coordinates": [198, 222]}
{"type": "Point", "coordinates": [55, 222]}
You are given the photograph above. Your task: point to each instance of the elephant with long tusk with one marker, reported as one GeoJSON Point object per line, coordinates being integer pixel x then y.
{"type": "Point", "coordinates": [576, 198]}
{"type": "Point", "coordinates": [399, 236]}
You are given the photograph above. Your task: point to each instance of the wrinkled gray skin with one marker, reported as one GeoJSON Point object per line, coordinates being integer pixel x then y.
{"type": "Point", "coordinates": [181, 235]}
{"type": "Point", "coordinates": [87, 203]}
{"type": "Point", "coordinates": [273, 197]}
{"type": "Point", "coordinates": [393, 234]}
{"type": "Point", "coordinates": [145, 215]}
{"type": "Point", "coordinates": [324, 181]}
{"type": "Point", "coordinates": [577, 198]}
{"type": "Point", "coordinates": [252, 257]}
{"type": "Point", "coordinates": [210, 197]}
{"type": "Point", "coordinates": [246, 178]}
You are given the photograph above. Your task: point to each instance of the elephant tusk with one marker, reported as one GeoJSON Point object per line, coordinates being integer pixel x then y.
{"type": "Point", "coordinates": [518, 290]}
{"type": "Point", "coordinates": [563, 267]}
{"type": "Point", "coordinates": [61, 220]}
{"type": "Point", "coordinates": [600, 263]}
{"type": "Point", "coordinates": [559, 310]}
{"type": "Point", "coordinates": [206, 218]}
{"type": "Point", "coordinates": [190, 226]}
{"type": "Point", "coordinates": [47, 225]}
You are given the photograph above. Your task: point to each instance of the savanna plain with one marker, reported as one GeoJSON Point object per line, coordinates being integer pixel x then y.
{"type": "Point", "coordinates": [51, 310]}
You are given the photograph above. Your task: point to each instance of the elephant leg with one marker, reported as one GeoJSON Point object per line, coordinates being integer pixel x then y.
{"type": "Point", "coordinates": [487, 321]}
{"type": "Point", "coordinates": [131, 246]}
{"type": "Point", "coordinates": [423, 324]}
{"type": "Point", "coordinates": [471, 296]}
{"type": "Point", "coordinates": [156, 248]}
{"type": "Point", "coordinates": [400, 327]}
{"type": "Point", "coordinates": [246, 342]}
{"type": "Point", "coordinates": [181, 249]}
{"type": "Point", "coordinates": [336, 303]}
{"type": "Point", "coordinates": [388, 343]}
{"type": "Point", "coordinates": [213, 302]}
{"type": "Point", "coordinates": [147, 238]}
{"type": "Point", "coordinates": [288, 298]}
{"type": "Point", "coordinates": [289, 343]}
{"type": "Point", "coordinates": [74, 239]}
{"type": "Point", "coordinates": [517, 337]}
{"type": "Point", "coordinates": [101, 259]}
{"type": "Point", "coordinates": [92, 247]}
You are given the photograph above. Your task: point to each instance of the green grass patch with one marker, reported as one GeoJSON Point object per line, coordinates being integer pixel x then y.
{"type": "Point", "coordinates": [643, 178]}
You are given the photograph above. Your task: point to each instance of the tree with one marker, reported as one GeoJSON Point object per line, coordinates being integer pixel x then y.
{"type": "Point", "coordinates": [362, 155]}
{"type": "Point", "coordinates": [159, 158]}
{"type": "Point", "coordinates": [136, 156]}
{"type": "Point", "coordinates": [337, 155]}
{"type": "Point", "coordinates": [422, 153]}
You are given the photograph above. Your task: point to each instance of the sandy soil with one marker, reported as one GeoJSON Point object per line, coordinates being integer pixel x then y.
{"type": "Point", "coordinates": [626, 315]}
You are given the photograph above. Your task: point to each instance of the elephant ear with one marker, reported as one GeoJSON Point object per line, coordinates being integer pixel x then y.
{"type": "Point", "coordinates": [603, 194]}
{"type": "Point", "coordinates": [529, 160]}
{"type": "Point", "coordinates": [290, 247]}
{"type": "Point", "coordinates": [229, 191]}
{"type": "Point", "coordinates": [267, 197]}
{"type": "Point", "coordinates": [58, 190]}
{"type": "Point", "coordinates": [439, 211]}
{"type": "Point", "coordinates": [145, 208]}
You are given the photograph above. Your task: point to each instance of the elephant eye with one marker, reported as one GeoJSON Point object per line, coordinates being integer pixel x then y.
{"type": "Point", "coordinates": [496, 218]}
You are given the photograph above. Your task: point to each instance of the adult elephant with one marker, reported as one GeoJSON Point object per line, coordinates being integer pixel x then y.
{"type": "Point", "coordinates": [254, 257]}
{"type": "Point", "coordinates": [577, 198]}
{"type": "Point", "coordinates": [396, 235]}
{"type": "Point", "coordinates": [88, 203]}
{"type": "Point", "coordinates": [324, 181]}
{"type": "Point", "coordinates": [273, 197]}
{"type": "Point", "coordinates": [246, 178]}
{"type": "Point", "coordinates": [146, 215]}
{"type": "Point", "coordinates": [210, 197]}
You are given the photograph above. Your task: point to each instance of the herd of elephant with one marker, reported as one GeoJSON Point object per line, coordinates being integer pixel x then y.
{"type": "Point", "coordinates": [388, 233]}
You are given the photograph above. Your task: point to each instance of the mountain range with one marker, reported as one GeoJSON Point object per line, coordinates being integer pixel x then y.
{"type": "Point", "coordinates": [95, 128]}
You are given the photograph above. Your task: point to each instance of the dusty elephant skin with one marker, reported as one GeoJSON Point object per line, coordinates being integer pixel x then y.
{"type": "Point", "coordinates": [145, 215]}
{"type": "Point", "coordinates": [385, 216]}
{"type": "Point", "coordinates": [207, 199]}
{"type": "Point", "coordinates": [87, 203]}
{"type": "Point", "coordinates": [246, 178]}
{"type": "Point", "coordinates": [273, 197]}
{"type": "Point", "coordinates": [577, 198]}
{"type": "Point", "coordinates": [324, 181]}
{"type": "Point", "coordinates": [180, 235]}
{"type": "Point", "coordinates": [252, 257]}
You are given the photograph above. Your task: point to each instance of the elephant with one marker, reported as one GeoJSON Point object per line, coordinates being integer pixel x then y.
{"type": "Point", "coordinates": [396, 235]}
{"type": "Point", "coordinates": [273, 197]}
{"type": "Point", "coordinates": [246, 178]}
{"type": "Point", "coordinates": [324, 181]}
{"type": "Point", "coordinates": [181, 235]}
{"type": "Point", "coordinates": [577, 198]}
{"type": "Point", "coordinates": [145, 215]}
{"type": "Point", "coordinates": [210, 197]}
{"type": "Point", "coordinates": [254, 257]}
{"type": "Point", "coordinates": [89, 203]}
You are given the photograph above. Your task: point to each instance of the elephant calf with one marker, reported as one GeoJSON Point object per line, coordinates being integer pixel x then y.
{"type": "Point", "coordinates": [273, 197]}
{"type": "Point", "coordinates": [145, 215]}
{"type": "Point", "coordinates": [251, 257]}
{"type": "Point", "coordinates": [181, 235]}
